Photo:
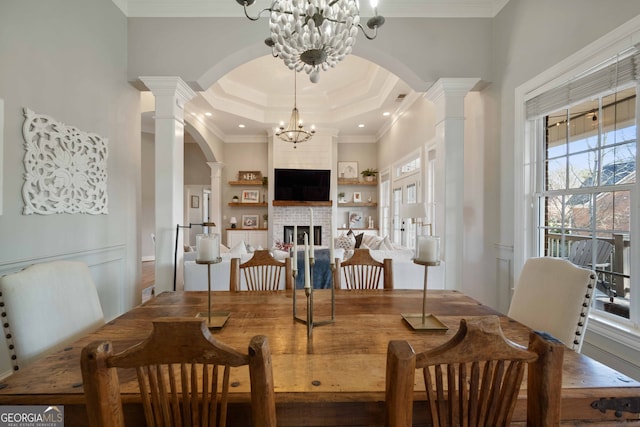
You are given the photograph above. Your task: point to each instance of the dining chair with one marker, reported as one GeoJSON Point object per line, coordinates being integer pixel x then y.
{"type": "Point", "coordinates": [183, 376]}
{"type": "Point", "coordinates": [46, 306]}
{"type": "Point", "coordinates": [554, 295]}
{"type": "Point", "coordinates": [362, 271]}
{"type": "Point", "coordinates": [260, 273]}
{"type": "Point", "coordinates": [581, 254]}
{"type": "Point", "coordinates": [474, 378]}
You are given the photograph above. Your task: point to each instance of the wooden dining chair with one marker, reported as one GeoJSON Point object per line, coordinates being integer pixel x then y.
{"type": "Point", "coordinates": [553, 295]}
{"type": "Point", "coordinates": [474, 379]}
{"type": "Point", "coordinates": [260, 273]}
{"type": "Point", "coordinates": [362, 271]}
{"type": "Point", "coordinates": [178, 370]}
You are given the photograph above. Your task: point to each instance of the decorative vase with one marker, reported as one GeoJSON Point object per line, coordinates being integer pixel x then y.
{"type": "Point", "coordinates": [369, 178]}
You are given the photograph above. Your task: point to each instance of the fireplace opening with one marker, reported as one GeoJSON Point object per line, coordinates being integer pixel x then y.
{"type": "Point", "coordinates": [317, 234]}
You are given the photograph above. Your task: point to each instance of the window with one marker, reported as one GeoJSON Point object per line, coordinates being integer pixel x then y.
{"type": "Point", "coordinates": [589, 177]}
{"type": "Point", "coordinates": [583, 178]}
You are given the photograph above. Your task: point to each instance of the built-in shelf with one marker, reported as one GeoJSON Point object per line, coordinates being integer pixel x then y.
{"type": "Point", "coordinates": [248, 205]}
{"type": "Point", "coordinates": [256, 182]}
{"type": "Point", "coordinates": [356, 182]}
{"type": "Point", "coordinates": [246, 229]}
{"type": "Point", "coordinates": [297, 203]}
{"type": "Point", "coordinates": [357, 204]}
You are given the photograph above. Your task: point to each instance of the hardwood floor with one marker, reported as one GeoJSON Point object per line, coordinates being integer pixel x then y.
{"type": "Point", "coordinates": [148, 279]}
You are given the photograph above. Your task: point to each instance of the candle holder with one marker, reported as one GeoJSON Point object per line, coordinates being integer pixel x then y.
{"type": "Point", "coordinates": [424, 321]}
{"type": "Point", "coordinates": [215, 319]}
{"type": "Point", "coordinates": [309, 321]}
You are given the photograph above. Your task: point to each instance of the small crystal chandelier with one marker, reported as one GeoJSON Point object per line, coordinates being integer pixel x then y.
{"type": "Point", "coordinates": [295, 131]}
{"type": "Point", "coordinates": [311, 35]}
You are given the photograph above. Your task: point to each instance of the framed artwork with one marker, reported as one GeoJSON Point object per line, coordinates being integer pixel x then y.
{"type": "Point", "coordinates": [355, 219]}
{"type": "Point", "coordinates": [249, 176]}
{"type": "Point", "coordinates": [195, 202]}
{"type": "Point", "coordinates": [250, 196]}
{"type": "Point", "coordinates": [347, 170]}
{"type": "Point", "coordinates": [357, 197]}
{"type": "Point", "coordinates": [249, 221]}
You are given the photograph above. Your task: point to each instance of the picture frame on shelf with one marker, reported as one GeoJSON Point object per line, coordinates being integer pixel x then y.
{"type": "Point", "coordinates": [355, 219]}
{"type": "Point", "coordinates": [249, 221]}
{"type": "Point", "coordinates": [250, 196]}
{"type": "Point", "coordinates": [348, 170]}
{"type": "Point", "coordinates": [195, 202]}
{"type": "Point", "coordinates": [357, 197]}
{"type": "Point", "coordinates": [249, 176]}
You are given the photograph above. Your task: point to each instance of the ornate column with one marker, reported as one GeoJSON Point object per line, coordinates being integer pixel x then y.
{"type": "Point", "coordinates": [448, 97]}
{"type": "Point", "coordinates": [171, 93]}
{"type": "Point", "coordinates": [215, 200]}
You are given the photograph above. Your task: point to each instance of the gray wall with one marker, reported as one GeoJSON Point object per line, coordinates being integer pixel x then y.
{"type": "Point", "coordinates": [68, 59]}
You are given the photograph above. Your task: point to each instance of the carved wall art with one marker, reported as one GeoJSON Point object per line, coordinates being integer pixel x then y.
{"type": "Point", "coordinates": [65, 168]}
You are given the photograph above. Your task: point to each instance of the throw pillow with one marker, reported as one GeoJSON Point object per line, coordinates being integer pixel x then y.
{"type": "Point", "coordinates": [223, 249]}
{"type": "Point", "coordinates": [373, 242]}
{"type": "Point", "coordinates": [358, 238]}
{"type": "Point", "coordinates": [386, 244]}
{"type": "Point", "coordinates": [238, 250]}
{"type": "Point", "coordinates": [345, 242]}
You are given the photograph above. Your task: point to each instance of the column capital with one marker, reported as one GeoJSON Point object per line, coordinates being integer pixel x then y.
{"type": "Point", "coordinates": [169, 86]}
{"type": "Point", "coordinates": [448, 96]}
{"type": "Point", "coordinates": [216, 168]}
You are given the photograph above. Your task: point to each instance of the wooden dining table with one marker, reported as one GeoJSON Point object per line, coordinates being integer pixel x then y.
{"type": "Point", "coordinates": [335, 377]}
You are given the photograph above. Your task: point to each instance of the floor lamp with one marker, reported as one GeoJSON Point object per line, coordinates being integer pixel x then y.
{"type": "Point", "coordinates": [175, 252]}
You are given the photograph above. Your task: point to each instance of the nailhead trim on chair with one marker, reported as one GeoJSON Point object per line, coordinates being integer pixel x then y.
{"type": "Point", "coordinates": [583, 313]}
{"type": "Point", "coordinates": [8, 336]}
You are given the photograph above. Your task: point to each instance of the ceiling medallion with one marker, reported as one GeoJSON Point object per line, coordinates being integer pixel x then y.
{"type": "Point", "coordinates": [310, 35]}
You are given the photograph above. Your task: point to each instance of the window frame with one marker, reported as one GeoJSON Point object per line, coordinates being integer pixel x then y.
{"type": "Point", "coordinates": [528, 150]}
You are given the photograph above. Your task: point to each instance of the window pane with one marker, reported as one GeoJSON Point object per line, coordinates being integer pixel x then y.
{"type": "Point", "coordinates": [619, 164]}
{"type": "Point", "coordinates": [583, 170]}
{"type": "Point", "coordinates": [557, 174]}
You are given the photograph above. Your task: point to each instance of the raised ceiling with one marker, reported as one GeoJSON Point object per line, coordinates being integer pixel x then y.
{"type": "Point", "coordinates": [357, 100]}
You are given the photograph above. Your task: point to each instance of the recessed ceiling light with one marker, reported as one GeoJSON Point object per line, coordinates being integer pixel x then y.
{"type": "Point", "coordinates": [208, 114]}
{"type": "Point", "coordinates": [241, 126]}
{"type": "Point", "coordinates": [361, 125]}
{"type": "Point", "coordinates": [386, 113]}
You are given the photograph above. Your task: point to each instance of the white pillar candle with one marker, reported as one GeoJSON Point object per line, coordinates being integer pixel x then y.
{"type": "Point", "coordinates": [331, 249]}
{"type": "Point", "coordinates": [428, 249]}
{"type": "Point", "coordinates": [208, 247]}
{"type": "Point", "coordinates": [312, 233]}
{"type": "Point", "coordinates": [294, 263]}
{"type": "Point", "coordinates": [307, 268]}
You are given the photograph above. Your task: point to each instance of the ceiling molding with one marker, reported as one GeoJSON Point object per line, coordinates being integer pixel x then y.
{"type": "Point", "coordinates": [388, 8]}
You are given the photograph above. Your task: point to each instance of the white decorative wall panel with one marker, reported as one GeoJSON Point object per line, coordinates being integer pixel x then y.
{"type": "Point", "coordinates": [65, 168]}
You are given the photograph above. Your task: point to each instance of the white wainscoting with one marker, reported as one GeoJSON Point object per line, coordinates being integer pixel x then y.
{"type": "Point", "coordinates": [107, 266]}
{"type": "Point", "coordinates": [504, 274]}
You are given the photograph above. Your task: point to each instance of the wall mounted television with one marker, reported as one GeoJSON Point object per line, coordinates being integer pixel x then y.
{"type": "Point", "coordinates": [303, 185]}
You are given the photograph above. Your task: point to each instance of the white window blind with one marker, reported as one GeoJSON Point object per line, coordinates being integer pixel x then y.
{"type": "Point", "coordinates": [619, 71]}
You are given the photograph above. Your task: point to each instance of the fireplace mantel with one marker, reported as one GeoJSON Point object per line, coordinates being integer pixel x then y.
{"type": "Point", "coordinates": [298, 203]}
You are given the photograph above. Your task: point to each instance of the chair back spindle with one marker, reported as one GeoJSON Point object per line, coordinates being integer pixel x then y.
{"type": "Point", "coordinates": [475, 378]}
{"type": "Point", "coordinates": [260, 273]}
{"type": "Point", "coordinates": [362, 271]}
{"type": "Point", "coordinates": [183, 377]}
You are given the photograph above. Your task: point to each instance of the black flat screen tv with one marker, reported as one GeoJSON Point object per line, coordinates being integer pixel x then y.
{"type": "Point", "coordinates": [302, 185]}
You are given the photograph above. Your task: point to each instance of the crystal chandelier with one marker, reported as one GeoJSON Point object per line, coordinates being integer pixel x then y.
{"type": "Point", "coordinates": [311, 35]}
{"type": "Point", "coordinates": [295, 131]}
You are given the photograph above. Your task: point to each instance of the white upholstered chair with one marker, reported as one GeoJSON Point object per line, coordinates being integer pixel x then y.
{"type": "Point", "coordinates": [553, 295]}
{"type": "Point", "coordinates": [46, 306]}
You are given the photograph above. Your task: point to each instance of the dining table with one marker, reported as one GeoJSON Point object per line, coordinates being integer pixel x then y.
{"type": "Point", "coordinates": [332, 376]}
